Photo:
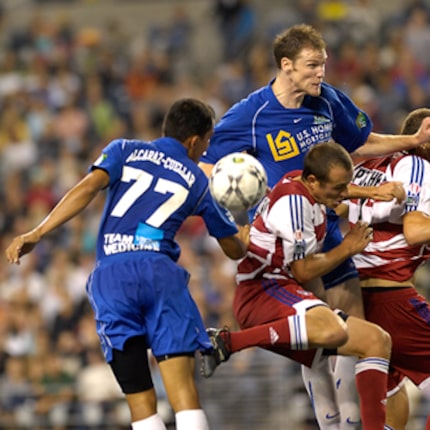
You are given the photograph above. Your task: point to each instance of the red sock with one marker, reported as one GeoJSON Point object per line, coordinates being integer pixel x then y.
{"type": "Point", "coordinates": [266, 335]}
{"type": "Point", "coordinates": [371, 378]}
{"type": "Point", "coordinates": [428, 423]}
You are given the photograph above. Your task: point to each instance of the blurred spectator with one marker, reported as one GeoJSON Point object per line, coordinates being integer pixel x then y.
{"type": "Point", "coordinates": [15, 389]}
{"type": "Point", "coordinates": [417, 34]}
{"type": "Point", "coordinates": [237, 25]}
{"type": "Point", "coordinates": [55, 396]}
{"type": "Point", "coordinates": [97, 391]}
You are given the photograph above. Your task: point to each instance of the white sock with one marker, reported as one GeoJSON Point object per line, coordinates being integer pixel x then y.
{"type": "Point", "coordinates": [319, 385]}
{"type": "Point", "coordinates": [154, 422]}
{"type": "Point", "coordinates": [346, 393]}
{"type": "Point", "coordinates": [192, 419]}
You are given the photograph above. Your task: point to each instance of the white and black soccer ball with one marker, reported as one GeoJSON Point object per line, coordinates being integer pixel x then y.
{"type": "Point", "coordinates": [238, 181]}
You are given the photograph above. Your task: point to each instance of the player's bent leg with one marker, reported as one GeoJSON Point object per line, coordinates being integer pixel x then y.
{"type": "Point", "coordinates": [144, 404]}
{"type": "Point", "coordinates": [325, 329]}
{"type": "Point", "coordinates": [342, 291]}
{"type": "Point", "coordinates": [366, 340]}
{"type": "Point", "coordinates": [372, 346]}
{"type": "Point", "coordinates": [346, 392]}
{"type": "Point", "coordinates": [398, 409]}
{"type": "Point", "coordinates": [178, 379]}
{"type": "Point", "coordinates": [319, 385]}
{"type": "Point", "coordinates": [131, 369]}
{"type": "Point", "coordinates": [322, 323]}
{"type": "Point", "coordinates": [347, 296]}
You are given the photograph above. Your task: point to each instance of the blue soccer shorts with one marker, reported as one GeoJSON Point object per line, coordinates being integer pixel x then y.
{"type": "Point", "coordinates": [334, 237]}
{"type": "Point", "coordinates": [145, 294]}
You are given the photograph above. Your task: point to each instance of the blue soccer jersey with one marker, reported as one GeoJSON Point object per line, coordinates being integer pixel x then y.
{"type": "Point", "coordinates": [280, 137]}
{"type": "Point", "coordinates": [153, 188]}
{"type": "Point", "coordinates": [137, 288]}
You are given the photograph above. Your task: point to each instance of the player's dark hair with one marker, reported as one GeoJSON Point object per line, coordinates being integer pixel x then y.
{"type": "Point", "coordinates": [188, 117]}
{"type": "Point", "coordinates": [291, 42]}
{"type": "Point", "coordinates": [321, 157]}
{"type": "Point", "coordinates": [412, 122]}
{"type": "Point", "coordinates": [410, 125]}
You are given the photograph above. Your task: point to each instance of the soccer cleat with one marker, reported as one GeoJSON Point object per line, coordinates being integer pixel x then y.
{"type": "Point", "coordinates": [208, 363]}
{"type": "Point", "coordinates": [210, 360]}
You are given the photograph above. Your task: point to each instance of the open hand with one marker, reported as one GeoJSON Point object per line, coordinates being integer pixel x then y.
{"type": "Point", "coordinates": [20, 246]}
{"type": "Point", "coordinates": [423, 133]}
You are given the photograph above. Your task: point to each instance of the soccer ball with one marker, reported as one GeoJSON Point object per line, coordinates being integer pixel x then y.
{"type": "Point", "coordinates": [238, 181]}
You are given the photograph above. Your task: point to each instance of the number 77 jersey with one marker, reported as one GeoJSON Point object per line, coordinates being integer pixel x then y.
{"type": "Point", "coordinates": [154, 186]}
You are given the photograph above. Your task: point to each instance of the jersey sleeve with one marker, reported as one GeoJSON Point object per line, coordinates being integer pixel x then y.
{"type": "Point", "coordinates": [219, 221]}
{"type": "Point", "coordinates": [110, 160]}
{"type": "Point", "coordinates": [352, 126]}
{"type": "Point", "coordinates": [414, 172]}
{"type": "Point", "coordinates": [233, 133]}
{"type": "Point", "coordinates": [291, 219]}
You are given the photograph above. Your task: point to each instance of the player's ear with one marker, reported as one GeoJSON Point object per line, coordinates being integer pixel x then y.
{"type": "Point", "coordinates": [312, 181]}
{"type": "Point", "coordinates": [192, 145]}
{"type": "Point", "coordinates": [286, 64]}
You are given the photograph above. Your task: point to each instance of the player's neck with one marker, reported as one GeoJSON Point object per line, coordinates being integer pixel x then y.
{"type": "Point", "coordinates": [286, 94]}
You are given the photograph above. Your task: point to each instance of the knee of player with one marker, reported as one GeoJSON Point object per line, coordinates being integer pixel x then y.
{"type": "Point", "coordinates": [326, 329]}
{"type": "Point", "coordinates": [334, 336]}
{"type": "Point", "coordinates": [379, 342]}
{"type": "Point", "coordinates": [333, 333]}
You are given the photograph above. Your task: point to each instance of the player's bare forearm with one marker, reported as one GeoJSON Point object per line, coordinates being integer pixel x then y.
{"type": "Point", "coordinates": [319, 264]}
{"type": "Point", "coordinates": [68, 207]}
{"type": "Point", "coordinates": [235, 246]}
{"type": "Point", "coordinates": [384, 192]}
{"type": "Point", "coordinates": [416, 228]}
{"type": "Point", "coordinates": [382, 144]}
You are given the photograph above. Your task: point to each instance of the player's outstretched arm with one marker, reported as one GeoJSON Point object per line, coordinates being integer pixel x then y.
{"type": "Point", "coordinates": [69, 206]}
{"type": "Point", "coordinates": [316, 265]}
{"type": "Point", "coordinates": [416, 228]}
{"type": "Point", "coordinates": [382, 144]}
{"type": "Point", "coordinates": [235, 246]}
{"type": "Point", "coordinates": [384, 192]}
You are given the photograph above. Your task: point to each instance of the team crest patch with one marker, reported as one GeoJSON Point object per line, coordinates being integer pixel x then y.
{"type": "Point", "coordinates": [299, 243]}
{"type": "Point", "coordinates": [361, 120]}
{"type": "Point", "coordinates": [414, 188]}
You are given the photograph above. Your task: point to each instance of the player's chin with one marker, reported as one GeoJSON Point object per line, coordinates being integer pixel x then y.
{"type": "Point", "coordinates": [315, 90]}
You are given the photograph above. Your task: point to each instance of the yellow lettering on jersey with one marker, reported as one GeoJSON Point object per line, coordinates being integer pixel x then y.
{"type": "Point", "coordinates": [284, 146]}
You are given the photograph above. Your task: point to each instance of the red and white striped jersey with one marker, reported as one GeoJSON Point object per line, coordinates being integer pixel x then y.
{"type": "Point", "coordinates": [388, 256]}
{"type": "Point", "coordinates": [289, 225]}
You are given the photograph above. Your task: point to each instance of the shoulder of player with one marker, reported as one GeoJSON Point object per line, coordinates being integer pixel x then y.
{"type": "Point", "coordinates": [287, 187]}
{"type": "Point", "coordinates": [408, 160]}
{"type": "Point", "coordinates": [330, 92]}
{"type": "Point", "coordinates": [252, 103]}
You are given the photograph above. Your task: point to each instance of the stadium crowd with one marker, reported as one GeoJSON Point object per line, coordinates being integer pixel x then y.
{"type": "Point", "coordinates": [65, 91]}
